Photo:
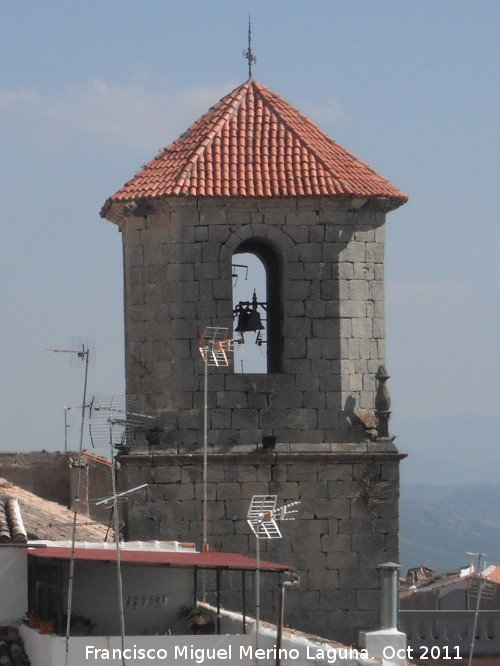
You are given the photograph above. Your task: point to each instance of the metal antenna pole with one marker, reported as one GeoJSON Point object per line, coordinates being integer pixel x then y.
{"type": "Point", "coordinates": [281, 613]}
{"type": "Point", "coordinates": [114, 499]}
{"type": "Point", "coordinates": [257, 591]}
{"type": "Point", "coordinates": [205, 472]}
{"type": "Point", "coordinates": [213, 347]}
{"type": "Point", "coordinates": [261, 517]}
{"type": "Point", "coordinates": [485, 590]}
{"type": "Point", "coordinates": [205, 453]}
{"type": "Point", "coordinates": [476, 614]}
{"type": "Point", "coordinates": [66, 429]}
{"type": "Point", "coordinates": [117, 541]}
{"type": "Point", "coordinates": [83, 354]}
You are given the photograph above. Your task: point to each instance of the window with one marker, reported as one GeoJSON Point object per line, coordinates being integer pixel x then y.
{"type": "Point", "coordinates": [257, 288]}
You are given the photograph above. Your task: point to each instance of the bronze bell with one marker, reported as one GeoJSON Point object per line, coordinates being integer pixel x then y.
{"type": "Point", "coordinates": [249, 320]}
{"type": "Point", "coordinates": [254, 322]}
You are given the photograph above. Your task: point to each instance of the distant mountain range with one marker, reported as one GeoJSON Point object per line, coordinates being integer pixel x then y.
{"type": "Point", "coordinates": [440, 523]}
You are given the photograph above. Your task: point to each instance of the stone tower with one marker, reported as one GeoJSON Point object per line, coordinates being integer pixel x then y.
{"type": "Point", "coordinates": [254, 175]}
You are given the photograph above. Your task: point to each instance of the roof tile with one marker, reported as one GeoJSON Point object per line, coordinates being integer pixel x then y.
{"type": "Point", "coordinates": [44, 519]}
{"type": "Point", "coordinates": [253, 143]}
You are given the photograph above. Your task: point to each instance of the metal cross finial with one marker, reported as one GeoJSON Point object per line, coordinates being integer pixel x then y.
{"type": "Point", "coordinates": [248, 53]}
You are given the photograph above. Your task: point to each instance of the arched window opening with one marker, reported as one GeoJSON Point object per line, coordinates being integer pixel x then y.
{"type": "Point", "coordinates": [256, 309]}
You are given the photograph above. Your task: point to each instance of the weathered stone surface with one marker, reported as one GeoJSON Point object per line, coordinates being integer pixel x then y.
{"type": "Point", "coordinates": [337, 549]}
{"type": "Point", "coordinates": [182, 259]}
{"type": "Point", "coordinates": [328, 265]}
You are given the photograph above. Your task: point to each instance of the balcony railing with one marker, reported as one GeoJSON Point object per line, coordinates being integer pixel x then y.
{"type": "Point", "coordinates": [447, 630]}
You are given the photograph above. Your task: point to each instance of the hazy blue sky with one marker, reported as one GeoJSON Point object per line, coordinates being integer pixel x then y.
{"type": "Point", "coordinates": [90, 91]}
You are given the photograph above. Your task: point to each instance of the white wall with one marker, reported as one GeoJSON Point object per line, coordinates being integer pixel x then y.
{"type": "Point", "coordinates": [152, 597]}
{"type": "Point", "coordinates": [13, 584]}
{"type": "Point", "coordinates": [51, 650]}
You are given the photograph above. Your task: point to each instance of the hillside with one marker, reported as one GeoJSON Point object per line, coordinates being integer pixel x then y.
{"type": "Point", "coordinates": [440, 523]}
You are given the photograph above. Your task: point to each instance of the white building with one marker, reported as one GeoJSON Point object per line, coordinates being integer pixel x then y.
{"type": "Point", "coordinates": [159, 578]}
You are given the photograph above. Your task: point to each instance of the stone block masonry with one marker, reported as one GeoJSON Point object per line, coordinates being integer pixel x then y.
{"type": "Point", "coordinates": [324, 267]}
{"type": "Point", "coordinates": [336, 541]}
{"type": "Point", "coordinates": [325, 342]}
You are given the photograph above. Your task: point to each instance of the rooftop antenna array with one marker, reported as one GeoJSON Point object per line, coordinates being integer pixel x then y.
{"type": "Point", "coordinates": [114, 417]}
{"type": "Point", "coordinates": [261, 517]}
{"type": "Point", "coordinates": [114, 426]}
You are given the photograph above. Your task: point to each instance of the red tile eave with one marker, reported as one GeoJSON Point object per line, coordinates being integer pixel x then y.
{"type": "Point", "coordinates": [208, 560]}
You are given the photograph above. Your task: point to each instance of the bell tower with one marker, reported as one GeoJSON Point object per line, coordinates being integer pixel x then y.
{"type": "Point", "coordinates": [254, 175]}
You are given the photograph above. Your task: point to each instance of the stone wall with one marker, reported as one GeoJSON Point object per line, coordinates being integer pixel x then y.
{"type": "Point", "coordinates": [324, 261]}
{"type": "Point", "coordinates": [53, 476]}
{"type": "Point", "coordinates": [44, 473]}
{"type": "Point", "coordinates": [328, 265]}
{"type": "Point", "coordinates": [336, 542]}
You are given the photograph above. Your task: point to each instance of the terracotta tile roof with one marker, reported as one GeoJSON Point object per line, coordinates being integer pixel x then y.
{"type": "Point", "coordinates": [96, 458]}
{"type": "Point", "coordinates": [253, 143]}
{"type": "Point", "coordinates": [44, 519]}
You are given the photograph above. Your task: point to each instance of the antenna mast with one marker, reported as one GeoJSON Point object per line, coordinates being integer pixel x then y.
{"type": "Point", "coordinates": [81, 352]}
{"type": "Point", "coordinates": [261, 517]}
{"type": "Point", "coordinates": [113, 499]}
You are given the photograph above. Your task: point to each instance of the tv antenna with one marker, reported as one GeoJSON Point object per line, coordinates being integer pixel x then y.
{"type": "Point", "coordinates": [113, 501]}
{"type": "Point", "coordinates": [482, 588]}
{"type": "Point", "coordinates": [214, 347]}
{"type": "Point", "coordinates": [112, 422]}
{"type": "Point", "coordinates": [112, 419]}
{"type": "Point", "coordinates": [479, 556]}
{"type": "Point", "coordinates": [81, 352]}
{"type": "Point", "coordinates": [262, 516]}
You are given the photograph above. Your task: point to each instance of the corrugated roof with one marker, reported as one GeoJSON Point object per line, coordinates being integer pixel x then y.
{"type": "Point", "coordinates": [253, 143]}
{"type": "Point", "coordinates": [44, 519]}
{"type": "Point", "coordinates": [205, 560]}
